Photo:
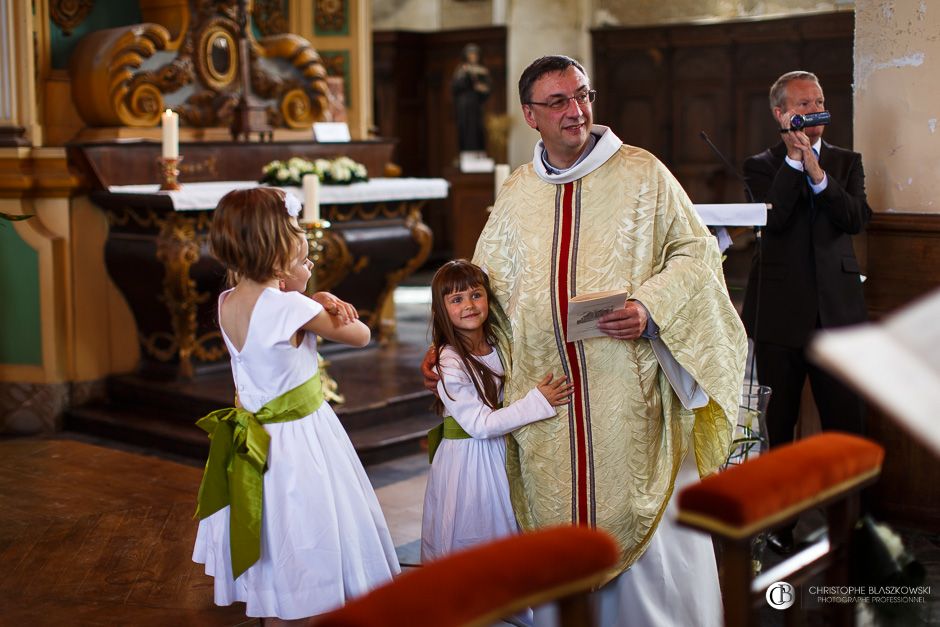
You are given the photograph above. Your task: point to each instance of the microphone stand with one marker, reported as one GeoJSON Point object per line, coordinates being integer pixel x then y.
{"type": "Point", "coordinates": [733, 170]}
{"type": "Point", "coordinates": [758, 243]}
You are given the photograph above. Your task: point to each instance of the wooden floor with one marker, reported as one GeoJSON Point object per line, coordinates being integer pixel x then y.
{"type": "Point", "coordinates": [96, 536]}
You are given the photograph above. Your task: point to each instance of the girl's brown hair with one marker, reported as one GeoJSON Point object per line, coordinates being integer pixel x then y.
{"type": "Point", "coordinates": [253, 235]}
{"type": "Point", "coordinates": [456, 276]}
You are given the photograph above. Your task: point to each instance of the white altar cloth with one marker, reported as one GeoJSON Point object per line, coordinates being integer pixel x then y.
{"type": "Point", "coordinates": [733, 214]}
{"type": "Point", "coordinates": [203, 196]}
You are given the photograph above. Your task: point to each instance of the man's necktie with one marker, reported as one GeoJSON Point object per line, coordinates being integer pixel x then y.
{"type": "Point", "coordinates": [812, 194]}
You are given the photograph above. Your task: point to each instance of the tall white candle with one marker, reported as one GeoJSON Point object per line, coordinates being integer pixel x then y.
{"type": "Point", "coordinates": [500, 176]}
{"type": "Point", "coordinates": [171, 134]}
{"type": "Point", "coordinates": [311, 198]}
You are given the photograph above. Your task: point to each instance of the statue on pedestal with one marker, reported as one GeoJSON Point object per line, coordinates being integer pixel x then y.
{"type": "Point", "coordinates": [471, 87]}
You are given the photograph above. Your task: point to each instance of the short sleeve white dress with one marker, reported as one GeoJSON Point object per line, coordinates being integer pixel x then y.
{"type": "Point", "coordinates": [324, 539]}
{"type": "Point", "coordinates": [467, 496]}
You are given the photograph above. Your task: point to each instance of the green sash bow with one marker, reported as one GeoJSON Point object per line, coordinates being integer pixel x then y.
{"type": "Point", "coordinates": [238, 454]}
{"type": "Point", "coordinates": [450, 429]}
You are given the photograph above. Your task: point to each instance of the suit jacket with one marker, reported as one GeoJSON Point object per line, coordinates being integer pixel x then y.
{"type": "Point", "coordinates": [806, 269]}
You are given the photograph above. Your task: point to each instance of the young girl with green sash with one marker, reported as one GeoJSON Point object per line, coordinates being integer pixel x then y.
{"type": "Point", "coordinates": [467, 496]}
{"type": "Point", "coordinates": [288, 521]}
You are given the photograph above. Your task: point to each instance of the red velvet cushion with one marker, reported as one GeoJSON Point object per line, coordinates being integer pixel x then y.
{"type": "Point", "coordinates": [781, 479]}
{"type": "Point", "coordinates": [471, 584]}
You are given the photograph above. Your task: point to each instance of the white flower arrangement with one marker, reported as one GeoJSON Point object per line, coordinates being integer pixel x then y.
{"type": "Point", "coordinates": [338, 171]}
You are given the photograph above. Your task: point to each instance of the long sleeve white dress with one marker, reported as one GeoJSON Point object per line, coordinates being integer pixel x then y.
{"type": "Point", "coordinates": [467, 497]}
{"type": "Point", "coordinates": [324, 539]}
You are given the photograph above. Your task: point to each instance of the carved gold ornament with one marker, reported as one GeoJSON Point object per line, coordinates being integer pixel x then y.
{"type": "Point", "coordinates": [216, 56]}
{"type": "Point", "coordinates": [269, 17]}
{"type": "Point", "coordinates": [69, 14]}
{"type": "Point", "coordinates": [110, 89]}
{"type": "Point", "coordinates": [103, 68]}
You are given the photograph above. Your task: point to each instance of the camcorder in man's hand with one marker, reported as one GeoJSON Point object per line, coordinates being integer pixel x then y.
{"type": "Point", "coordinates": [799, 122]}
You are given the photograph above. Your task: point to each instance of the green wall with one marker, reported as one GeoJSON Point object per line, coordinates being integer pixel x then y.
{"type": "Point", "coordinates": [105, 14]}
{"type": "Point", "coordinates": [20, 335]}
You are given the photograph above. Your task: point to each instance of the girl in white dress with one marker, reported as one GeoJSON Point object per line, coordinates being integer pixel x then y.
{"type": "Point", "coordinates": [467, 497]}
{"type": "Point", "coordinates": [289, 523]}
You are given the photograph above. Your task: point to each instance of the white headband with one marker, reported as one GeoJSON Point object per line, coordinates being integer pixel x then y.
{"type": "Point", "coordinates": [292, 204]}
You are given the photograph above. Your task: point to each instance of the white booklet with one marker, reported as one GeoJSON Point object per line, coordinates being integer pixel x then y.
{"type": "Point", "coordinates": [895, 363]}
{"type": "Point", "coordinates": [585, 310]}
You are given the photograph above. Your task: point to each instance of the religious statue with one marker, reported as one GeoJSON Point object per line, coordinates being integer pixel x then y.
{"type": "Point", "coordinates": [471, 88]}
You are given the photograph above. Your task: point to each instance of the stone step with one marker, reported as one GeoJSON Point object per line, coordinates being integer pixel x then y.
{"type": "Point", "coordinates": [149, 428]}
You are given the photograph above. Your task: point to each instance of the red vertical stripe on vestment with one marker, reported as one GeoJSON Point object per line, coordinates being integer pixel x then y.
{"type": "Point", "coordinates": [564, 271]}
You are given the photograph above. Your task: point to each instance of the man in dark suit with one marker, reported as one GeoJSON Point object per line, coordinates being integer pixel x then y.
{"type": "Point", "coordinates": [805, 275]}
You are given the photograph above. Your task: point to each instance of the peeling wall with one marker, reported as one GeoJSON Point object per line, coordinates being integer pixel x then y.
{"type": "Point", "coordinates": [897, 60]}
{"type": "Point", "coordinates": [417, 15]}
{"type": "Point", "coordinates": [648, 12]}
{"type": "Point", "coordinates": [430, 15]}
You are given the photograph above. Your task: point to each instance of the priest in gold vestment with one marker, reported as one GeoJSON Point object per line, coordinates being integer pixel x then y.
{"type": "Point", "coordinates": [591, 214]}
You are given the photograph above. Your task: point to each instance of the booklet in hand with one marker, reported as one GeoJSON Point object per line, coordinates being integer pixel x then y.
{"type": "Point", "coordinates": [585, 310]}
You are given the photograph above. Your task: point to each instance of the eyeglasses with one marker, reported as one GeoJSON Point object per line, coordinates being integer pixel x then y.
{"type": "Point", "coordinates": [559, 103]}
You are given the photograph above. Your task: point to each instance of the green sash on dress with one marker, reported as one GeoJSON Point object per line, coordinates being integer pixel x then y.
{"type": "Point", "coordinates": [450, 429]}
{"type": "Point", "coordinates": [238, 454]}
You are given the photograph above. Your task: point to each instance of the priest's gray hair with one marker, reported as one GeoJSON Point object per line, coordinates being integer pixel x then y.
{"type": "Point", "coordinates": [778, 91]}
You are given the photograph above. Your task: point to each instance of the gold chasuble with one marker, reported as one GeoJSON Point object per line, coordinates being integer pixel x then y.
{"type": "Point", "coordinates": [617, 220]}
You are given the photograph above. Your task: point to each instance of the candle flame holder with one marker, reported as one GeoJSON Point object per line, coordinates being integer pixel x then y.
{"type": "Point", "coordinates": [169, 173]}
{"type": "Point", "coordinates": [314, 232]}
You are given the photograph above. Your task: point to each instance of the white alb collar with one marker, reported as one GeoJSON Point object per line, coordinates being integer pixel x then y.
{"type": "Point", "coordinates": [605, 147]}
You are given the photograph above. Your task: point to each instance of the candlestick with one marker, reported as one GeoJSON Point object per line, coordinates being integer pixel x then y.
{"type": "Point", "coordinates": [315, 237]}
{"type": "Point", "coordinates": [169, 173]}
{"type": "Point", "coordinates": [500, 176]}
{"type": "Point", "coordinates": [170, 121]}
{"type": "Point", "coordinates": [311, 185]}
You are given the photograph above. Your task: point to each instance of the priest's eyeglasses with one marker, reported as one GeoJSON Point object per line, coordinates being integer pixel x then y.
{"type": "Point", "coordinates": [559, 103]}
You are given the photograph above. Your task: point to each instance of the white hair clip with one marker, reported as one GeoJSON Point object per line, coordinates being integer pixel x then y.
{"type": "Point", "coordinates": [292, 204]}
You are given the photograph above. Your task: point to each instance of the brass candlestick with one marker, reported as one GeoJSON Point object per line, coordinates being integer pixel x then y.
{"type": "Point", "coordinates": [314, 235]}
{"type": "Point", "coordinates": [169, 173]}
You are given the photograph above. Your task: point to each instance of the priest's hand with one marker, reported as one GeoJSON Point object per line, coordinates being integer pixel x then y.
{"type": "Point", "coordinates": [628, 323]}
{"type": "Point", "coordinates": [427, 369]}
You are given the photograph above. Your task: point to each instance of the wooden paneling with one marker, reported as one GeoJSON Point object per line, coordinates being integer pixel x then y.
{"type": "Point", "coordinates": [903, 265]}
{"type": "Point", "coordinates": [659, 86]}
{"type": "Point", "coordinates": [471, 195]}
{"type": "Point", "coordinates": [903, 259]}
{"type": "Point", "coordinates": [398, 59]}
{"type": "Point", "coordinates": [413, 103]}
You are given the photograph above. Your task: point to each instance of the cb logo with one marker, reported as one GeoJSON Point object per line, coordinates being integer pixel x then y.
{"type": "Point", "coordinates": [780, 595]}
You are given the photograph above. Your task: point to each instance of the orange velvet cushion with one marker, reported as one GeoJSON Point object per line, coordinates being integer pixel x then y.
{"type": "Point", "coordinates": [474, 583]}
{"type": "Point", "coordinates": [782, 479]}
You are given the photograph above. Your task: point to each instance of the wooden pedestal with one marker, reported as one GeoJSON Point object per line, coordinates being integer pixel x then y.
{"type": "Point", "coordinates": [471, 195]}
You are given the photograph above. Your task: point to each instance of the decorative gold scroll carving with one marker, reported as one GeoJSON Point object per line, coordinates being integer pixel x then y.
{"type": "Point", "coordinates": [335, 261]}
{"type": "Point", "coordinates": [366, 211]}
{"type": "Point", "coordinates": [178, 247]}
{"type": "Point", "coordinates": [107, 62]}
{"type": "Point", "coordinates": [215, 53]}
{"type": "Point", "coordinates": [423, 237]}
{"type": "Point", "coordinates": [69, 14]}
{"type": "Point", "coordinates": [269, 17]}
{"type": "Point", "coordinates": [302, 100]}
{"type": "Point", "coordinates": [103, 68]}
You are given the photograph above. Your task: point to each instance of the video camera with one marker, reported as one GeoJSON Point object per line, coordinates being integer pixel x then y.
{"type": "Point", "coordinates": [799, 122]}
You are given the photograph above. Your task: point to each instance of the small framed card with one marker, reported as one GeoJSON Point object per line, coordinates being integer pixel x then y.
{"type": "Point", "coordinates": [331, 132]}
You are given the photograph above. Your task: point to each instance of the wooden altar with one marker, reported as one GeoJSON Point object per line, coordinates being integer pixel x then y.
{"type": "Point", "coordinates": [158, 256]}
